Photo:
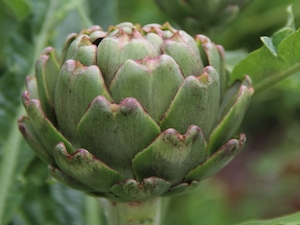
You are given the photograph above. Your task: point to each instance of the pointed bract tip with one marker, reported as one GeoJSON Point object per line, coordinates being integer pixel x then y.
{"type": "Point", "coordinates": [202, 38]}
{"type": "Point", "coordinates": [90, 30]}
{"type": "Point", "coordinates": [21, 126]}
{"type": "Point", "coordinates": [47, 50]}
{"type": "Point", "coordinates": [242, 139]}
{"type": "Point", "coordinates": [129, 104]}
{"type": "Point", "coordinates": [167, 26]}
{"type": "Point", "coordinates": [25, 98]}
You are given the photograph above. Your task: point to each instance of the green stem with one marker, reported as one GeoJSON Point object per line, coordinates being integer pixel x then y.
{"type": "Point", "coordinates": [92, 211]}
{"type": "Point", "coordinates": [132, 213]}
{"type": "Point", "coordinates": [8, 164]}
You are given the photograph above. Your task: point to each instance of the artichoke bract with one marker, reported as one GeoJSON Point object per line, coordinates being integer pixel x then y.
{"type": "Point", "coordinates": [135, 112]}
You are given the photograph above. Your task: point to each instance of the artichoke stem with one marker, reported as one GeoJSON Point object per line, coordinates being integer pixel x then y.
{"type": "Point", "coordinates": [132, 213]}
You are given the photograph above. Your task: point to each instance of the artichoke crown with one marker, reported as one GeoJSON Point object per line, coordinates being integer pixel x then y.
{"type": "Point", "coordinates": [135, 112]}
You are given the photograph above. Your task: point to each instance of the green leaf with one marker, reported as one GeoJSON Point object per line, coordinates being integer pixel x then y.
{"type": "Point", "coordinates": [275, 61]}
{"type": "Point", "coordinates": [273, 42]}
{"type": "Point", "coordinates": [278, 37]}
{"type": "Point", "coordinates": [234, 57]}
{"type": "Point", "coordinates": [23, 47]}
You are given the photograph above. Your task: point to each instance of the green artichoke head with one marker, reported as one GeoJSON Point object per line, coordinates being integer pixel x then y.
{"type": "Point", "coordinates": [135, 112]}
{"type": "Point", "coordinates": [208, 16]}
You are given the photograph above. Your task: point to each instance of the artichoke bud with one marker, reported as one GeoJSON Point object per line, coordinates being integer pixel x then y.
{"type": "Point", "coordinates": [205, 15]}
{"type": "Point", "coordinates": [228, 14]}
{"type": "Point", "coordinates": [135, 112]}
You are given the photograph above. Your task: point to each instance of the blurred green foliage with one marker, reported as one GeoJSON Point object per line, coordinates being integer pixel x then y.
{"type": "Point", "coordinates": [262, 182]}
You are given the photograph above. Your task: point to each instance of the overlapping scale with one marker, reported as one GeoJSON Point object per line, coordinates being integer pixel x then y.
{"type": "Point", "coordinates": [34, 141]}
{"type": "Point", "coordinates": [217, 161]}
{"type": "Point", "coordinates": [231, 121]}
{"type": "Point", "coordinates": [114, 51]}
{"type": "Point", "coordinates": [76, 87]}
{"type": "Point", "coordinates": [196, 103]}
{"type": "Point", "coordinates": [48, 135]}
{"type": "Point", "coordinates": [86, 168]}
{"type": "Point", "coordinates": [152, 81]}
{"type": "Point", "coordinates": [82, 50]}
{"type": "Point", "coordinates": [186, 55]}
{"type": "Point", "coordinates": [132, 190]}
{"type": "Point", "coordinates": [116, 133]}
{"type": "Point", "coordinates": [171, 156]}
{"type": "Point", "coordinates": [47, 69]}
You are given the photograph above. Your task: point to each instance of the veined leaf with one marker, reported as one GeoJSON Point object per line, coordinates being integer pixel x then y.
{"type": "Point", "coordinates": [270, 64]}
{"type": "Point", "coordinates": [275, 61]}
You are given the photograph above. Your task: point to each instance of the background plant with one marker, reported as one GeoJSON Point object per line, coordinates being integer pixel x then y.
{"type": "Point", "coordinates": [267, 169]}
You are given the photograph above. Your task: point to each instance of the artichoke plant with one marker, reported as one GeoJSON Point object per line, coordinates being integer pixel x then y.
{"type": "Point", "coordinates": [134, 113]}
{"type": "Point", "coordinates": [207, 16]}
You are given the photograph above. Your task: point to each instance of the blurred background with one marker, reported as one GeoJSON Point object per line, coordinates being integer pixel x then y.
{"type": "Point", "coordinates": [262, 182]}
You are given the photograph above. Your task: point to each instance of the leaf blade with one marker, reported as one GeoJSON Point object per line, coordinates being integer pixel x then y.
{"type": "Point", "coordinates": [266, 69]}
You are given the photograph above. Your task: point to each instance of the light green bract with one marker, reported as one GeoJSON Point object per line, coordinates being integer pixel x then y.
{"type": "Point", "coordinates": [135, 112]}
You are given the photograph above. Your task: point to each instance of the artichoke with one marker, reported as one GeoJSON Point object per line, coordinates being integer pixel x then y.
{"type": "Point", "coordinates": [135, 112]}
{"type": "Point", "coordinates": [207, 16]}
